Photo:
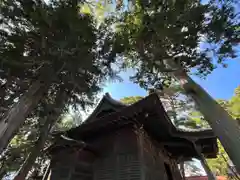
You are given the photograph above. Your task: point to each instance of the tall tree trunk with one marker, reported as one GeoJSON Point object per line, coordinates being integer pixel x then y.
{"type": "Point", "coordinates": [15, 117]}
{"type": "Point", "coordinates": [51, 119]}
{"type": "Point", "coordinates": [223, 125]}
{"type": "Point", "coordinates": [28, 163]}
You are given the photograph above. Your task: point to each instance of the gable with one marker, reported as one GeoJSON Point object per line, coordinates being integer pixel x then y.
{"type": "Point", "coordinates": [106, 106]}
{"type": "Point", "coordinates": [149, 114]}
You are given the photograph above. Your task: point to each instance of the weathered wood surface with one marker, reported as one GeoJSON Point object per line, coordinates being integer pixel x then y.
{"type": "Point", "coordinates": [122, 155]}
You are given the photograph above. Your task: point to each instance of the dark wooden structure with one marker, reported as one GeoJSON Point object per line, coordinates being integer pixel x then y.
{"type": "Point", "coordinates": [119, 142]}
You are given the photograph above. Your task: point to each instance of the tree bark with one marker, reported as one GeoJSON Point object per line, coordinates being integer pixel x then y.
{"type": "Point", "coordinates": [223, 125]}
{"type": "Point", "coordinates": [15, 117]}
{"type": "Point", "coordinates": [28, 163]}
{"type": "Point", "coordinates": [51, 119]}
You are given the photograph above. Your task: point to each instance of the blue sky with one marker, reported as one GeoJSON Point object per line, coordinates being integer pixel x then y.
{"type": "Point", "coordinates": [220, 84]}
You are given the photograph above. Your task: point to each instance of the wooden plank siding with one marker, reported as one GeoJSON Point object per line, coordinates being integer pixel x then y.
{"type": "Point", "coordinates": [72, 164]}
{"type": "Point", "coordinates": [121, 163]}
{"type": "Point", "coordinates": [126, 154]}
{"type": "Point", "coordinates": [155, 159]}
{"type": "Point", "coordinates": [118, 142]}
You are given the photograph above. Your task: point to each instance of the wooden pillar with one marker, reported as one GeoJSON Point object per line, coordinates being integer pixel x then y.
{"type": "Point", "coordinates": [207, 169]}
{"type": "Point", "coordinates": [141, 153]}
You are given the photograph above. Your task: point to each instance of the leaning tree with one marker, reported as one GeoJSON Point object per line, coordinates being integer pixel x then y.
{"type": "Point", "coordinates": [45, 49]}
{"type": "Point", "coordinates": [167, 40]}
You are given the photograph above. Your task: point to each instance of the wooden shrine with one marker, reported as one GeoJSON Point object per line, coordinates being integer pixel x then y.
{"type": "Point", "coordinates": [120, 142]}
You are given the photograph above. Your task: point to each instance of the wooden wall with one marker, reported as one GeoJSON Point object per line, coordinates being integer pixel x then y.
{"type": "Point", "coordinates": [120, 160]}
{"type": "Point", "coordinates": [72, 164]}
{"type": "Point", "coordinates": [156, 163]}
{"type": "Point", "coordinates": [126, 154]}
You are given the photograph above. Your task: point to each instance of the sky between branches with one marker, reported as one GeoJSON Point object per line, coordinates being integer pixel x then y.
{"type": "Point", "coordinates": [220, 84]}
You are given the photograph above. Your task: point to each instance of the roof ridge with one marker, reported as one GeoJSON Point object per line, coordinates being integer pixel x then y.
{"type": "Point", "coordinates": [106, 97]}
{"type": "Point", "coordinates": [113, 101]}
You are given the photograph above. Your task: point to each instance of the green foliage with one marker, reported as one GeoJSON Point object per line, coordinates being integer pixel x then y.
{"type": "Point", "coordinates": [195, 120]}
{"type": "Point", "coordinates": [98, 9]}
{"type": "Point", "coordinates": [55, 43]}
{"type": "Point", "coordinates": [158, 34]}
{"type": "Point", "coordinates": [65, 44]}
{"type": "Point", "coordinates": [219, 165]}
{"type": "Point", "coordinates": [68, 121]}
{"type": "Point", "coordinates": [21, 145]}
{"type": "Point", "coordinates": [131, 99]}
{"type": "Point", "coordinates": [52, 42]}
{"type": "Point", "coordinates": [18, 149]}
{"type": "Point", "coordinates": [177, 105]}
{"type": "Point", "coordinates": [233, 105]}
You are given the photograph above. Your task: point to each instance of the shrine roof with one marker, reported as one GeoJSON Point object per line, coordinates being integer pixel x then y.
{"type": "Point", "coordinates": [110, 115]}
{"type": "Point", "coordinates": [107, 103]}
{"type": "Point", "coordinates": [109, 111]}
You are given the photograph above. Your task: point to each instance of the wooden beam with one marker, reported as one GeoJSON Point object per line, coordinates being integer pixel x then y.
{"type": "Point", "coordinates": [204, 164]}
{"type": "Point", "coordinates": [174, 144]}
